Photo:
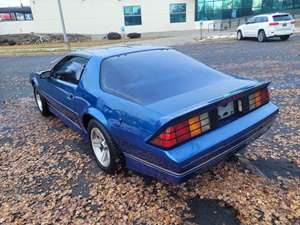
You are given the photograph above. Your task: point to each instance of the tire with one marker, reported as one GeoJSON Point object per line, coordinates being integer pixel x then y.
{"type": "Point", "coordinates": [41, 103]}
{"type": "Point", "coordinates": [261, 37]}
{"type": "Point", "coordinates": [285, 37]}
{"type": "Point", "coordinates": [109, 158]}
{"type": "Point", "coordinates": [239, 35]}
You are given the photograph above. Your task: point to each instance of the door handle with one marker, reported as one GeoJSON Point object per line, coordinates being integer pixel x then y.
{"type": "Point", "coordinates": [70, 96]}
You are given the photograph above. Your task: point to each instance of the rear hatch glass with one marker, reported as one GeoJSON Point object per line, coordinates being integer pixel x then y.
{"type": "Point", "coordinates": [284, 17]}
{"type": "Point", "coordinates": [150, 76]}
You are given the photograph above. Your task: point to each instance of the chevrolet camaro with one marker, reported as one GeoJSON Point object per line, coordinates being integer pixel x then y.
{"type": "Point", "coordinates": [153, 109]}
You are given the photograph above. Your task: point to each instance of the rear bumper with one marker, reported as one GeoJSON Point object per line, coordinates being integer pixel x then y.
{"type": "Point", "coordinates": [201, 153]}
{"type": "Point", "coordinates": [274, 33]}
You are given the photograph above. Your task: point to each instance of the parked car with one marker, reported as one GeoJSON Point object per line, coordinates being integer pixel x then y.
{"type": "Point", "coordinates": [266, 26]}
{"type": "Point", "coordinates": [153, 109]}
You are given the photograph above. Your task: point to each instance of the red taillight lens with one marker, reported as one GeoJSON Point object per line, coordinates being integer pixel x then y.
{"type": "Point", "coordinates": [274, 24]}
{"type": "Point", "coordinates": [258, 98]}
{"type": "Point", "coordinates": [182, 131]}
{"type": "Point", "coordinates": [199, 124]}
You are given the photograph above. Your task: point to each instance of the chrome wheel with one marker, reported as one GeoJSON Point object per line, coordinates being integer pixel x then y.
{"type": "Point", "coordinates": [39, 101]}
{"type": "Point", "coordinates": [100, 147]}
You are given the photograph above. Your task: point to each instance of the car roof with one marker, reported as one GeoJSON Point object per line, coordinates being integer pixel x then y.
{"type": "Point", "coordinates": [272, 14]}
{"type": "Point", "coordinates": [106, 52]}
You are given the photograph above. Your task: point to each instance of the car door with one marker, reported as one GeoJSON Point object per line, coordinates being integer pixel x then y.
{"type": "Point", "coordinates": [62, 88]}
{"type": "Point", "coordinates": [248, 29]}
{"type": "Point", "coordinates": [260, 22]}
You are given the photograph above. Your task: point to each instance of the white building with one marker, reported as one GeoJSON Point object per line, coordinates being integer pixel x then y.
{"type": "Point", "coordinates": [103, 16]}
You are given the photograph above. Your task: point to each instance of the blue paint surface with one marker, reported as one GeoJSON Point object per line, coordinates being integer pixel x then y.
{"type": "Point", "coordinates": [147, 108]}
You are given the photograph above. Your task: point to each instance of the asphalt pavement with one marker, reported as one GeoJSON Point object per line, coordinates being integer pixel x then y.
{"type": "Point", "coordinates": [217, 197]}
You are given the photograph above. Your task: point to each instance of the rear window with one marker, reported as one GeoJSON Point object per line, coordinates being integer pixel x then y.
{"type": "Point", "coordinates": [285, 17]}
{"type": "Point", "coordinates": [149, 76]}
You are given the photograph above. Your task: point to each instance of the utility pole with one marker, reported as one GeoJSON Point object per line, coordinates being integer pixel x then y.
{"type": "Point", "coordinates": [66, 40]}
{"type": "Point", "coordinates": [201, 29]}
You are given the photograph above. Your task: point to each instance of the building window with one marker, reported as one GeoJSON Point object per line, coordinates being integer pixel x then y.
{"type": "Point", "coordinates": [20, 16]}
{"type": "Point", "coordinates": [15, 14]}
{"type": "Point", "coordinates": [178, 13]}
{"type": "Point", "coordinates": [28, 16]}
{"type": "Point", "coordinates": [226, 9]}
{"type": "Point", "coordinates": [5, 17]}
{"type": "Point", "coordinates": [132, 15]}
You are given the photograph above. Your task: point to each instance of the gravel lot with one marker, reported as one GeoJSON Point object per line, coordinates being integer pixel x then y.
{"type": "Point", "coordinates": [48, 175]}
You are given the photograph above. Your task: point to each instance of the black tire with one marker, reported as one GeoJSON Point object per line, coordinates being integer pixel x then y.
{"type": "Point", "coordinates": [239, 35]}
{"type": "Point", "coordinates": [285, 37]}
{"type": "Point", "coordinates": [115, 156]}
{"type": "Point", "coordinates": [43, 106]}
{"type": "Point", "coordinates": [261, 37]}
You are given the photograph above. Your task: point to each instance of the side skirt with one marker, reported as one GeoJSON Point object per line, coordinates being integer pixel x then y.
{"type": "Point", "coordinates": [70, 123]}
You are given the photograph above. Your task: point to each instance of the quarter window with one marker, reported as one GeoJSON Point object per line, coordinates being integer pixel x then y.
{"type": "Point", "coordinates": [70, 69]}
{"type": "Point", "coordinates": [178, 13]}
{"type": "Point", "coordinates": [132, 15]}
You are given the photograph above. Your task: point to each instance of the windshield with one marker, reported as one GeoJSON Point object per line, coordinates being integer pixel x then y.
{"type": "Point", "coordinates": [149, 76]}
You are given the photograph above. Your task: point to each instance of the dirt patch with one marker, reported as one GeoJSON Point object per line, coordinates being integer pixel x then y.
{"type": "Point", "coordinates": [33, 38]}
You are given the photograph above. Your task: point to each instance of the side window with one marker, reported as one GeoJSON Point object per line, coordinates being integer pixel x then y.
{"type": "Point", "coordinates": [261, 19]}
{"type": "Point", "coordinates": [251, 20]}
{"type": "Point", "coordinates": [70, 69]}
{"type": "Point", "coordinates": [258, 19]}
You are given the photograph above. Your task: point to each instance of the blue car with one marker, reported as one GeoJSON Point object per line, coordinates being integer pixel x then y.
{"type": "Point", "coordinates": [153, 109]}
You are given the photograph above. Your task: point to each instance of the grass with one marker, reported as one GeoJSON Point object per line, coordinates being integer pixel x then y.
{"type": "Point", "coordinates": [56, 48]}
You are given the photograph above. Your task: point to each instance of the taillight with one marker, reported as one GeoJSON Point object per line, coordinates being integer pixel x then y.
{"type": "Point", "coordinates": [182, 131]}
{"type": "Point", "coordinates": [274, 24]}
{"type": "Point", "coordinates": [199, 124]}
{"type": "Point", "coordinates": [293, 22]}
{"type": "Point", "coordinates": [258, 98]}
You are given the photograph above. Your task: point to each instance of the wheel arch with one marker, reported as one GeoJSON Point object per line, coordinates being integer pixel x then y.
{"type": "Point", "coordinates": [93, 113]}
{"type": "Point", "coordinates": [34, 82]}
{"type": "Point", "coordinates": [261, 29]}
{"type": "Point", "coordinates": [240, 30]}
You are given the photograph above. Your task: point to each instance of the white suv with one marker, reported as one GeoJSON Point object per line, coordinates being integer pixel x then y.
{"type": "Point", "coordinates": [267, 26]}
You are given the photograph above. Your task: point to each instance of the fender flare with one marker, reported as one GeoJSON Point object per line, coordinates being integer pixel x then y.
{"type": "Point", "coordinates": [93, 113]}
{"type": "Point", "coordinates": [34, 82]}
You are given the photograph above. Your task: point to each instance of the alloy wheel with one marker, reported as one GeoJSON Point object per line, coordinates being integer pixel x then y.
{"type": "Point", "coordinates": [261, 36]}
{"type": "Point", "coordinates": [39, 101]}
{"type": "Point", "coordinates": [100, 147]}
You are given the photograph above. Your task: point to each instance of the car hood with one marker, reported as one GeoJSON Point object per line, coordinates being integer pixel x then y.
{"type": "Point", "coordinates": [219, 89]}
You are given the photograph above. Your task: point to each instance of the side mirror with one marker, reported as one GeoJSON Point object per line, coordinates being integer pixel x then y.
{"type": "Point", "coordinates": [45, 74]}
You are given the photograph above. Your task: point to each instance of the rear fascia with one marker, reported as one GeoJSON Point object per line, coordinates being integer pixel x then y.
{"type": "Point", "coordinates": [200, 153]}
{"type": "Point", "coordinates": [203, 108]}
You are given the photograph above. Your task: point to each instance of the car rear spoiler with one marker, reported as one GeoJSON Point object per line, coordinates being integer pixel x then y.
{"type": "Point", "coordinates": [206, 106]}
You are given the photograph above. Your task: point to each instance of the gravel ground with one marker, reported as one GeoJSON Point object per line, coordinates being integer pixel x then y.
{"type": "Point", "coordinates": [48, 175]}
